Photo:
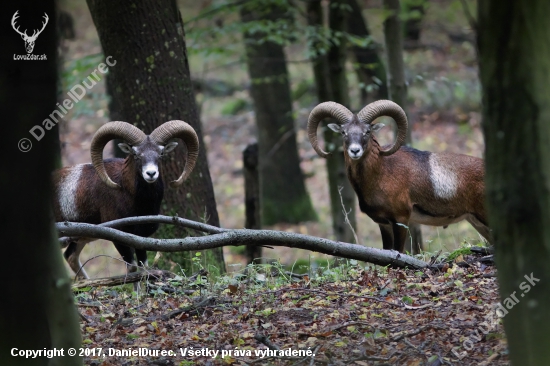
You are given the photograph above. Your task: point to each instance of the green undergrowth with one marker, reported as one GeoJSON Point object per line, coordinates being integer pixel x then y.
{"type": "Point", "coordinates": [267, 276]}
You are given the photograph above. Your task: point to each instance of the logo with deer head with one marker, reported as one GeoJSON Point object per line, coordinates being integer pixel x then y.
{"type": "Point", "coordinates": [29, 40]}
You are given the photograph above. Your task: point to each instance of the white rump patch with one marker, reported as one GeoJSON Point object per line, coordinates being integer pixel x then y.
{"type": "Point", "coordinates": [444, 180]}
{"type": "Point", "coordinates": [67, 193]}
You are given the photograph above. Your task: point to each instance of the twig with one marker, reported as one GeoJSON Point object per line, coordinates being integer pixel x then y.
{"type": "Point", "coordinates": [92, 258]}
{"type": "Point", "coordinates": [434, 258]}
{"type": "Point", "coordinates": [348, 324]}
{"type": "Point", "coordinates": [408, 343]}
{"type": "Point", "coordinates": [88, 305]}
{"type": "Point", "coordinates": [122, 279]}
{"type": "Point", "coordinates": [200, 273]}
{"type": "Point", "coordinates": [370, 358]}
{"type": "Point", "coordinates": [263, 339]}
{"type": "Point", "coordinates": [346, 219]}
{"type": "Point", "coordinates": [402, 335]}
{"type": "Point", "coordinates": [83, 317]}
{"type": "Point", "coordinates": [192, 308]}
{"type": "Point", "coordinates": [313, 356]}
{"type": "Point", "coordinates": [279, 143]}
{"type": "Point", "coordinates": [352, 295]}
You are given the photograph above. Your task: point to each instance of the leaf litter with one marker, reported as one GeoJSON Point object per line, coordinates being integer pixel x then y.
{"type": "Point", "coordinates": [368, 317]}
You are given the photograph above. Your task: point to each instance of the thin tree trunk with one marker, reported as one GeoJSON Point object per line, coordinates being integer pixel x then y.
{"type": "Point", "coordinates": [37, 303]}
{"type": "Point", "coordinates": [514, 46]}
{"type": "Point", "coordinates": [331, 83]}
{"type": "Point", "coordinates": [414, 12]}
{"type": "Point", "coordinates": [153, 85]}
{"type": "Point", "coordinates": [252, 198]}
{"type": "Point", "coordinates": [398, 92]}
{"type": "Point", "coordinates": [370, 69]}
{"type": "Point", "coordinates": [278, 151]}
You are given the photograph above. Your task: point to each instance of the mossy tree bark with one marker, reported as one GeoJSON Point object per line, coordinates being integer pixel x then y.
{"type": "Point", "coordinates": [514, 49]}
{"type": "Point", "coordinates": [331, 82]}
{"type": "Point", "coordinates": [398, 91]}
{"type": "Point", "coordinates": [153, 85]}
{"type": "Point", "coordinates": [282, 189]}
{"type": "Point", "coordinates": [37, 305]}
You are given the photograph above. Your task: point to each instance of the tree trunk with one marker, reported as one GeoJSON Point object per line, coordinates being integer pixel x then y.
{"type": "Point", "coordinates": [37, 303]}
{"type": "Point", "coordinates": [252, 198]}
{"type": "Point", "coordinates": [114, 108]}
{"type": "Point", "coordinates": [152, 86]}
{"type": "Point", "coordinates": [330, 79]}
{"type": "Point", "coordinates": [370, 69]}
{"type": "Point", "coordinates": [398, 92]}
{"type": "Point", "coordinates": [514, 46]}
{"type": "Point", "coordinates": [414, 12]}
{"type": "Point", "coordinates": [278, 152]}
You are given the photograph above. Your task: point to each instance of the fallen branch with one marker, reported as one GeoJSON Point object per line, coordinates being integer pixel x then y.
{"type": "Point", "coordinates": [226, 237]}
{"type": "Point", "coordinates": [122, 279]}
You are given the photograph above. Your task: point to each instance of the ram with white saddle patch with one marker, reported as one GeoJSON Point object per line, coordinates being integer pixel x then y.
{"type": "Point", "coordinates": [398, 185]}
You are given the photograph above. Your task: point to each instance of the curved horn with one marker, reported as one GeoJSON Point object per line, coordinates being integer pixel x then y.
{"type": "Point", "coordinates": [323, 110]}
{"type": "Point", "coordinates": [387, 108]}
{"type": "Point", "coordinates": [182, 130]}
{"type": "Point", "coordinates": [108, 132]}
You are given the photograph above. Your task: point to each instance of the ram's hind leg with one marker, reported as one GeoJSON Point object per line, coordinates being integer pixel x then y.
{"type": "Point", "coordinates": [127, 254]}
{"type": "Point", "coordinates": [481, 228]}
{"type": "Point", "coordinates": [72, 255]}
{"type": "Point", "coordinates": [142, 257]}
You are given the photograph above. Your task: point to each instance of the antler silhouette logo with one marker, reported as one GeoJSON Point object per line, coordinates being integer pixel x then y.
{"type": "Point", "coordinates": [29, 40]}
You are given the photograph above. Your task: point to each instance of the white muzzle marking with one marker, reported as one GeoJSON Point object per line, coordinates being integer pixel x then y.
{"type": "Point", "coordinates": [150, 173]}
{"type": "Point", "coordinates": [355, 151]}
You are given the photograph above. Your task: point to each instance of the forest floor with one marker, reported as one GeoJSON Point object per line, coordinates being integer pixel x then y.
{"type": "Point", "coordinates": [344, 315]}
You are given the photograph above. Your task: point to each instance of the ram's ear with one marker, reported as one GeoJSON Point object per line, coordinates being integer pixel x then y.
{"type": "Point", "coordinates": [170, 147]}
{"type": "Point", "coordinates": [377, 127]}
{"type": "Point", "coordinates": [335, 127]}
{"type": "Point", "coordinates": [125, 148]}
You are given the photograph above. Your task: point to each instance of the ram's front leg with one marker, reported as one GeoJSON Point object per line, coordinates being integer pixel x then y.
{"type": "Point", "coordinates": [387, 236]}
{"type": "Point", "coordinates": [400, 234]}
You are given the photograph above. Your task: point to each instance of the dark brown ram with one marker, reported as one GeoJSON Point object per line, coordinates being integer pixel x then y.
{"type": "Point", "coordinates": [112, 189]}
{"type": "Point", "coordinates": [398, 185]}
